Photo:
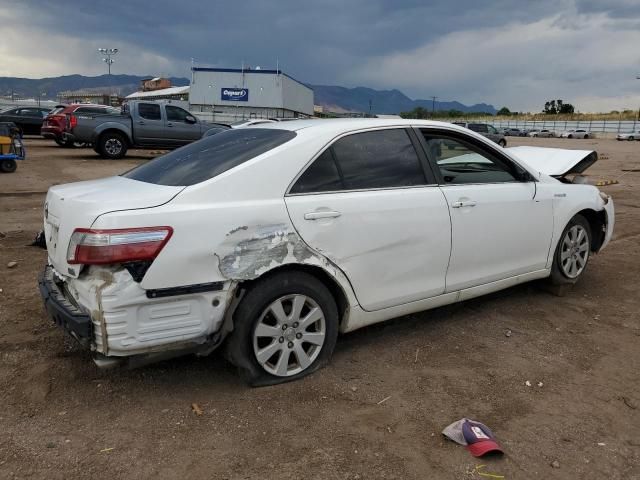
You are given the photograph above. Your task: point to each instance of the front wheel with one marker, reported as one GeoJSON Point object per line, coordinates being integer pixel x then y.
{"type": "Point", "coordinates": [8, 165]}
{"type": "Point", "coordinates": [286, 327]}
{"type": "Point", "coordinates": [630, 139]}
{"type": "Point", "coordinates": [112, 146]}
{"type": "Point", "coordinates": [572, 253]}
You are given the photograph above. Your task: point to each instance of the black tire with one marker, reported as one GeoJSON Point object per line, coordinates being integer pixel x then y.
{"type": "Point", "coordinates": [558, 274]}
{"type": "Point", "coordinates": [502, 143]}
{"type": "Point", "coordinates": [570, 136]}
{"type": "Point", "coordinates": [112, 146]}
{"type": "Point", "coordinates": [631, 139]}
{"type": "Point", "coordinates": [59, 141]}
{"type": "Point", "coordinates": [8, 165]}
{"type": "Point", "coordinates": [239, 346]}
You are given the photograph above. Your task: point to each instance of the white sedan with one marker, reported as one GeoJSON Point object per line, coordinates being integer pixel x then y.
{"type": "Point", "coordinates": [273, 239]}
{"type": "Point", "coordinates": [630, 136]}
{"type": "Point", "coordinates": [544, 133]}
{"type": "Point", "coordinates": [578, 133]}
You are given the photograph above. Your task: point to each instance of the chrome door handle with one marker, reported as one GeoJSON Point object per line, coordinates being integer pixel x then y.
{"type": "Point", "coordinates": [321, 214]}
{"type": "Point", "coordinates": [169, 124]}
{"type": "Point", "coordinates": [468, 203]}
{"type": "Point", "coordinates": [140, 122]}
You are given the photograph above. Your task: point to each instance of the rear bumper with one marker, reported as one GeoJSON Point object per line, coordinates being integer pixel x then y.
{"type": "Point", "coordinates": [51, 132]}
{"type": "Point", "coordinates": [66, 314]}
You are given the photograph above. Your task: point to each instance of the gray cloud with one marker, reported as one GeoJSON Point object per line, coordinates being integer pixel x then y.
{"type": "Point", "coordinates": [499, 51]}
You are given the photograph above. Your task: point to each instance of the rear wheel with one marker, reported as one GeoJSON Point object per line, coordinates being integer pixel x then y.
{"type": "Point", "coordinates": [285, 328]}
{"type": "Point", "coordinates": [630, 139]}
{"type": "Point", "coordinates": [572, 253]}
{"type": "Point", "coordinates": [112, 146]}
{"type": "Point", "coordinates": [59, 141]}
{"type": "Point", "coordinates": [8, 165]}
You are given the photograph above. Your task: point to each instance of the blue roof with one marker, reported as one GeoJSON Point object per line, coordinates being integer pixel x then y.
{"type": "Point", "coordinates": [239, 70]}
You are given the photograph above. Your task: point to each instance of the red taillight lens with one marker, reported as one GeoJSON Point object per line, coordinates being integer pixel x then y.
{"type": "Point", "coordinates": [72, 121]}
{"type": "Point", "coordinates": [99, 247]}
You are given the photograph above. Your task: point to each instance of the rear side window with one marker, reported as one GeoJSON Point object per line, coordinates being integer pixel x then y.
{"type": "Point", "coordinates": [209, 157]}
{"type": "Point", "coordinates": [379, 159]}
{"type": "Point", "coordinates": [150, 111]}
{"type": "Point", "coordinates": [321, 176]}
{"type": "Point", "coordinates": [478, 127]}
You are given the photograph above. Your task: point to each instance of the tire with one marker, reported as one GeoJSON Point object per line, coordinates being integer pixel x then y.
{"type": "Point", "coordinates": [8, 165]}
{"type": "Point", "coordinates": [570, 136]}
{"type": "Point", "coordinates": [567, 267]}
{"type": "Point", "coordinates": [59, 141]}
{"type": "Point", "coordinates": [254, 314]}
{"type": "Point", "coordinates": [112, 146]}
{"type": "Point", "coordinates": [630, 139]}
{"type": "Point", "coordinates": [502, 143]}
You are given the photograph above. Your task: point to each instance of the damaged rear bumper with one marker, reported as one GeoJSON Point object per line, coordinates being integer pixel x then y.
{"type": "Point", "coordinates": [66, 314]}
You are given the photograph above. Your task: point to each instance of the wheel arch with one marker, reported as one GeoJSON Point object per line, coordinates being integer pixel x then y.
{"type": "Point", "coordinates": [113, 130]}
{"type": "Point", "coordinates": [328, 280]}
{"type": "Point", "coordinates": [597, 223]}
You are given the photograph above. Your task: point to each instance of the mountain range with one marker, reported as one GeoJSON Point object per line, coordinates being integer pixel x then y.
{"type": "Point", "coordinates": [333, 98]}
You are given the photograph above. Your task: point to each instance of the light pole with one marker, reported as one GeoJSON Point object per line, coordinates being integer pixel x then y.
{"type": "Point", "coordinates": [108, 53]}
{"type": "Point", "coordinates": [638, 78]}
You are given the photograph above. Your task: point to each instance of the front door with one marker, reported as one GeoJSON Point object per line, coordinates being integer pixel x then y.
{"type": "Point", "coordinates": [368, 204]}
{"type": "Point", "coordinates": [182, 127]}
{"type": "Point", "coordinates": [500, 227]}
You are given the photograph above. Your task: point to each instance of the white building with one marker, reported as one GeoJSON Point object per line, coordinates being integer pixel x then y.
{"type": "Point", "coordinates": [227, 94]}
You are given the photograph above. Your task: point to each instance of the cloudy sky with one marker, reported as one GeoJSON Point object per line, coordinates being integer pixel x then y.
{"type": "Point", "coordinates": [515, 53]}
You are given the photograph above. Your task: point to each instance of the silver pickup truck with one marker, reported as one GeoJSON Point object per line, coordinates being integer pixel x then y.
{"type": "Point", "coordinates": [141, 124]}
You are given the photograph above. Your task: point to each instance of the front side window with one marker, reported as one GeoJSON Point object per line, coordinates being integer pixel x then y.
{"type": "Point", "coordinates": [177, 114]}
{"type": "Point", "coordinates": [150, 111]}
{"type": "Point", "coordinates": [209, 157]}
{"type": "Point", "coordinates": [463, 163]}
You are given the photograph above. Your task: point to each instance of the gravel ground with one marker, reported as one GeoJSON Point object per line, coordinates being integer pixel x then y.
{"type": "Point", "coordinates": [62, 418]}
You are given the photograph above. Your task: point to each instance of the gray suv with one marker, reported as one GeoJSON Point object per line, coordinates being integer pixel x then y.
{"type": "Point", "coordinates": [487, 130]}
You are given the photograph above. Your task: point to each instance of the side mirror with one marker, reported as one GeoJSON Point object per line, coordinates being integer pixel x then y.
{"type": "Point", "coordinates": [190, 119]}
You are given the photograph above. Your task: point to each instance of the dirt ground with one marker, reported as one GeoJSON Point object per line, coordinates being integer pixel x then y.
{"type": "Point", "coordinates": [375, 412]}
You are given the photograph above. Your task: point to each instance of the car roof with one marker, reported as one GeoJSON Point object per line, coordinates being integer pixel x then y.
{"type": "Point", "coordinates": [334, 125]}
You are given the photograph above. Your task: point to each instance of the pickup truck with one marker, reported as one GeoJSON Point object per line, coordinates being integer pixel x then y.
{"type": "Point", "coordinates": [141, 124]}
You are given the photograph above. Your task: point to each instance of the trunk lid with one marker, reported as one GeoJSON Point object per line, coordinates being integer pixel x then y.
{"type": "Point", "coordinates": [556, 162]}
{"type": "Point", "coordinates": [77, 205]}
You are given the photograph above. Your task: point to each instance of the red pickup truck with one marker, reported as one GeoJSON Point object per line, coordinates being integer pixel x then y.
{"type": "Point", "coordinates": [55, 123]}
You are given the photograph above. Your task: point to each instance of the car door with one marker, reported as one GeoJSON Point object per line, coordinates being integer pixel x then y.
{"type": "Point", "coordinates": [149, 127]}
{"type": "Point", "coordinates": [367, 203]}
{"type": "Point", "coordinates": [182, 127]}
{"type": "Point", "coordinates": [31, 120]}
{"type": "Point", "coordinates": [500, 226]}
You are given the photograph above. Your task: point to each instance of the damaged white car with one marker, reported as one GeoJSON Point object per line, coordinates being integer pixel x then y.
{"type": "Point", "coordinates": [272, 240]}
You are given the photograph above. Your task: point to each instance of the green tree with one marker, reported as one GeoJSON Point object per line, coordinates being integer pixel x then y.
{"type": "Point", "coordinates": [504, 111]}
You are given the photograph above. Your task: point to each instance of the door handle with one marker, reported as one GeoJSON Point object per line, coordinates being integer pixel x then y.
{"type": "Point", "coordinates": [467, 203]}
{"type": "Point", "coordinates": [169, 124]}
{"type": "Point", "coordinates": [321, 214]}
{"type": "Point", "coordinates": [140, 122]}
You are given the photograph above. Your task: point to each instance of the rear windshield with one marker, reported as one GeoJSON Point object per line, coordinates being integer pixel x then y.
{"type": "Point", "coordinates": [210, 156]}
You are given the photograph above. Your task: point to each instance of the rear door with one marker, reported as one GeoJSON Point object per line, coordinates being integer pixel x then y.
{"type": "Point", "coordinates": [369, 203]}
{"type": "Point", "coordinates": [182, 127]}
{"type": "Point", "coordinates": [501, 226]}
{"type": "Point", "coordinates": [149, 125]}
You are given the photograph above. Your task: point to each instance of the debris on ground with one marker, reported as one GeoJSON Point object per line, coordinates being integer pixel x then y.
{"type": "Point", "coordinates": [12, 264]}
{"type": "Point", "coordinates": [527, 383]}
{"type": "Point", "coordinates": [384, 400]}
{"type": "Point", "coordinates": [105, 450]}
{"type": "Point", "coordinates": [478, 469]}
{"type": "Point", "coordinates": [540, 384]}
{"type": "Point", "coordinates": [627, 401]}
{"type": "Point", "coordinates": [555, 464]}
{"type": "Point", "coordinates": [196, 409]}
{"type": "Point", "coordinates": [507, 333]}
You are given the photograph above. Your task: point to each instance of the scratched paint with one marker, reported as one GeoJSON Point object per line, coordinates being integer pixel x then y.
{"type": "Point", "coordinates": [250, 251]}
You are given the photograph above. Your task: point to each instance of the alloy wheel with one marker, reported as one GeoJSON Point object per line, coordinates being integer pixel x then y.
{"type": "Point", "coordinates": [113, 146]}
{"type": "Point", "coordinates": [575, 251]}
{"type": "Point", "coordinates": [289, 335]}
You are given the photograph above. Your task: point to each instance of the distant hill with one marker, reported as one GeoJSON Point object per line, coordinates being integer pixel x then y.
{"type": "Point", "coordinates": [334, 98]}
{"type": "Point", "coordinates": [32, 87]}
{"type": "Point", "coordinates": [356, 99]}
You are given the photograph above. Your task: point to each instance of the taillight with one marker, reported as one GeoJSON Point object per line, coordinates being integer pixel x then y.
{"type": "Point", "coordinates": [99, 247]}
{"type": "Point", "coordinates": [72, 121]}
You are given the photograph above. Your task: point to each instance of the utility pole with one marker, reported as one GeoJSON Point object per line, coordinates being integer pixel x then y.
{"type": "Point", "coordinates": [370, 107]}
{"type": "Point", "coordinates": [638, 78]}
{"type": "Point", "coordinates": [433, 106]}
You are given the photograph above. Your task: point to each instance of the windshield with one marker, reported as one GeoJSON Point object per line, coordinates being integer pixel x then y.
{"type": "Point", "coordinates": [210, 156]}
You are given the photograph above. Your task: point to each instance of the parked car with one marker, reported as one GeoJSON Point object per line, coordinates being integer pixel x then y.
{"type": "Point", "coordinates": [486, 130]}
{"type": "Point", "coordinates": [274, 239]}
{"type": "Point", "coordinates": [141, 124]}
{"type": "Point", "coordinates": [27, 119]}
{"type": "Point", "coordinates": [629, 136]}
{"type": "Point", "coordinates": [55, 122]}
{"type": "Point", "coordinates": [544, 133]}
{"type": "Point", "coordinates": [513, 132]}
{"type": "Point", "coordinates": [579, 133]}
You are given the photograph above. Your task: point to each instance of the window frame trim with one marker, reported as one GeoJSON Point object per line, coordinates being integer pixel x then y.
{"type": "Point", "coordinates": [430, 179]}
{"type": "Point", "coordinates": [486, 150]}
